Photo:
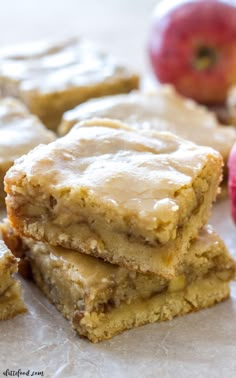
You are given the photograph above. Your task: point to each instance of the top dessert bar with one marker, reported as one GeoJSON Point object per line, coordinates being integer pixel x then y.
{"type": "Point", "coordinates": [132, 198]}
{"type": "Point", "coordinates": [52, 78]}
{"type": "Point", "coordinates": [20, 131]}
{"type": "Point", "coordinates": [162, 110]}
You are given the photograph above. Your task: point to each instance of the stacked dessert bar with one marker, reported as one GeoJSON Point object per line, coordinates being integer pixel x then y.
{"type": "Point", "coordinates": [113, 223]}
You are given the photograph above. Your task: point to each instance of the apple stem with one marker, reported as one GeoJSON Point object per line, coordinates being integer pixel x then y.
{"type": "Point", "coordinates": [205, 58]}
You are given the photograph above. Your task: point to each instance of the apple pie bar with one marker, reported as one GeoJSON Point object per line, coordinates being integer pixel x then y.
{"type": "Point", "coordinates": [132, 198]}
{"type": "Point", "coordinates": [11, 303]}
{"type": "Point", "coordinates": [20, 131]}
{"type": "Point", "coordinates": [162, 110]}
{"type": "Point", "coordinates": [102, 300]}
{"type": "Point", "coordinates": [51, 78]}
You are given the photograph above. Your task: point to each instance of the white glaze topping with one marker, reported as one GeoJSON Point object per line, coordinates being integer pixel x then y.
{"type": "Point", "coordinates": [19, 131]}
{"type": "Point", "coordinates": [116, 166]}
{"type": "Point", "coordinates": [51, 67]}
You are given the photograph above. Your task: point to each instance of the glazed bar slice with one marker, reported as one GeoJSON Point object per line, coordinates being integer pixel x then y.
{"type": "Point", "coordinates": [162, 110]}
{"type": "Point", "coordinates": [20, 131]}
{"type": "Point", "coordinates": [102, 300]}
{"type": "Point", "coordinates": [11, 302]}
{"type": "Point", "coordinates": [133, 199]}
{"type": "Point", "coordinates": [51, 78]}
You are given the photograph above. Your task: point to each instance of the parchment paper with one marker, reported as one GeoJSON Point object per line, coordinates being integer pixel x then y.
{"type": "Point", "coordinates": [196, 345]}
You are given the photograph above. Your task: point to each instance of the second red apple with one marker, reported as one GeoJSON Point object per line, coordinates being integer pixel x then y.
{"type": "Point", "coordinates": [193, 46]}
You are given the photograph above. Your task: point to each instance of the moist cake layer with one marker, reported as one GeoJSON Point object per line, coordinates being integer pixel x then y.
{"type": "Point", "coordinates": [11, 303]}
{"type": "Point", "coordinates": [106, 190]}
{"type": "Point", "coordinates": [8, 266]}
{"type": "Point", "coordinates": [54, 77]}
{"type": "Point", "coordinates": [101, 299]}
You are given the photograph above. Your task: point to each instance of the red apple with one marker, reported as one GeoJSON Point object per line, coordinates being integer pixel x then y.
{"type": "Point", "coordinates": [232, 181]}
{"type": "Point", "coordinates": [193, 46]}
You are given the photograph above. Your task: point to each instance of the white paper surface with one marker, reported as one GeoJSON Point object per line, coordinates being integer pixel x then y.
{"type": "Point", "coordinates": [196, 345]}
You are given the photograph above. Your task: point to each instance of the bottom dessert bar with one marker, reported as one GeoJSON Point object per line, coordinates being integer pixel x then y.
{"type": "Point", "coordinates": [11, 303]}
{"type": "Point", "coordinates": [102, 300]}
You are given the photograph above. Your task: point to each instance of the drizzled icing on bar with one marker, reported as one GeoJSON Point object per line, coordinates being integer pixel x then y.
{"type": "Point", "coordinates": [114, 165]}
{"type": "Point", "coordinates": [50, 67]}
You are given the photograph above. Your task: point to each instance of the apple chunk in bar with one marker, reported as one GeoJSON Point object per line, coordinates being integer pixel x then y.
{"type": "Point", "coordinates": [134, 199]}
{"type": "Point", "coordinates": [20, 131]}
{"type": "Point", "coordinates": [11, 302]}
{"type": "Point", "coordinates": [102, 299]}
{"type": "Point", "coordinates": [51, 78]}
